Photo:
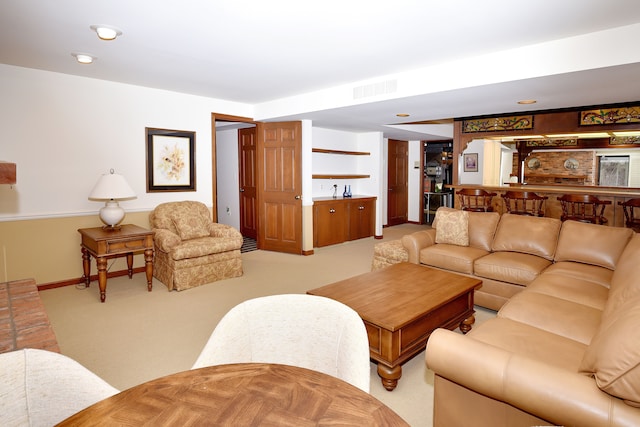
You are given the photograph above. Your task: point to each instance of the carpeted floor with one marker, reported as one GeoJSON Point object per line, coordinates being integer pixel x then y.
{"type": "Point", "coordinates": [136, 336]}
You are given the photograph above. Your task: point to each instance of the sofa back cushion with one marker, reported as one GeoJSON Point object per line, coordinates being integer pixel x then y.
{"type": "Point", "coordinates": [482, 227]}
{"type": "Point", "coordinates": [613, 356]}
{"type": "Point", "coordinates": [527, 234]}
{"type": "Point", "coordinates": [625, 282]}
{"type": "Point", "coordinates": [592, 244]}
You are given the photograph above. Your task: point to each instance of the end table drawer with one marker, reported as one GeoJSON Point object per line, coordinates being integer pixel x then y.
{"type": "Point", "coordinates": [126, 245]}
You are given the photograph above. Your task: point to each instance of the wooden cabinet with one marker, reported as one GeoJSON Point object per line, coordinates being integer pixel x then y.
{"type": "Point", "coordinates": [339, 220]}
{"type": "Point", "coordinates": [362, 218]}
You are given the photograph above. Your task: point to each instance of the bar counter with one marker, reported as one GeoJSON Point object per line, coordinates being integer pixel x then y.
{"type": "Point", "coordinates": [613, 212]}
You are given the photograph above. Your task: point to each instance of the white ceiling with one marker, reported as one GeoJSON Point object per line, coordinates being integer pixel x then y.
{"type": "Point", "coordinates": [316, 60]}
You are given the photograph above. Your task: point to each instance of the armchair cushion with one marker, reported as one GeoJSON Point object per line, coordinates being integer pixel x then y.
{"type": "Point", "coordinates": [190, 226]}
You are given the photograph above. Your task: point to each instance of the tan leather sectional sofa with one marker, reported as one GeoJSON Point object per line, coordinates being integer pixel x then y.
{"type": "Point", "coordinates": [564, 348]}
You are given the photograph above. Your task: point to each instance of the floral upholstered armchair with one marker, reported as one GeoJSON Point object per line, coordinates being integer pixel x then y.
{"type": "Point", "coordinates": [190, 249]}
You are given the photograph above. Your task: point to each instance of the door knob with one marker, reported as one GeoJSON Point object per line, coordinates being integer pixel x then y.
{"type": "Point", "coordinates": [297, 197]}
{"type": "Point", "coordinates": [242, 190]}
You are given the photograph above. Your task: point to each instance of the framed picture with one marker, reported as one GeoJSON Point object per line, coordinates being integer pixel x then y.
{"type": "Point", "coordinates": [471, 162]}
{"type": "Point", "coordinates": [171, 164]}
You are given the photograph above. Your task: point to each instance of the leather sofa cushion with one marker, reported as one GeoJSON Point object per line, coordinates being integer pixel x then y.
{"type": "Point", "coordinates": [569, 288]}
{"type": "Point", "coordinates": [585, 272]}
{"type": "Point", "coordinates": [625, 283]}
{"type": "Point", "coordinates": [451, 257]}
{"type": "Point", "coordinates": [591, 243]}
{"type": "Point", "coordinates": [555, 315]}
{"type": "Point", "coordinates": [613, 357]}
{"type": "Point", "coordinates": [529, 341]}
{"type": "Point", "coordinates": [511, 267]}
{"type": "Point", "coordinates": [527, 234]}
{"type": "Point", "coordinates": [482, 227]}
{"type": "Point", "coordinates": [453, 227]}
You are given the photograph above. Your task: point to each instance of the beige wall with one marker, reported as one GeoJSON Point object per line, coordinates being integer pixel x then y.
{"type": "Point", "coordinates": [48, 250]}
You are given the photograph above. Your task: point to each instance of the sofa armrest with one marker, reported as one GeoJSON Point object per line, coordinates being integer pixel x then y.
{"type": "Point", "coordinates": [165, 240]}
{"type": "Point", "coordinates": [415, 241]}
{"type": "Point", "coordinates": [545, 391]}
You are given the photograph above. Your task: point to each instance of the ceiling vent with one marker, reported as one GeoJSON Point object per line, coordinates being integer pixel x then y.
{"type": "Point", "coordinates": [375, 89]}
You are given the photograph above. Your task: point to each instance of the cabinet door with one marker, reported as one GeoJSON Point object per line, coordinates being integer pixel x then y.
{"type": "Point", "coordinates": [330, 223]}
{"type": "Point", "coordinates": [362, 218]}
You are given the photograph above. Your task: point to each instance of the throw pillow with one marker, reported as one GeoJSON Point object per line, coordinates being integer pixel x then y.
{"type": "Point", "coordinates": [453, 227]}
{"type": "Point", "coordinates": [190, 226]}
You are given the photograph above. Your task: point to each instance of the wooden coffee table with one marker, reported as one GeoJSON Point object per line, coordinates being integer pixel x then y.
{"type": "Point", "coordinates": [400, 306]}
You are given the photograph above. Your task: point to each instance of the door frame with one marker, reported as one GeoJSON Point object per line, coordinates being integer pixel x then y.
{"type": "Point", "coordinates": [214, 169]}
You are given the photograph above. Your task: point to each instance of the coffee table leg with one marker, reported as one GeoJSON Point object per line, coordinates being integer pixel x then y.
{"type": "Point", "coordinates": [390, 376]}
{"type": "Point", "coordinates": [465, 325]}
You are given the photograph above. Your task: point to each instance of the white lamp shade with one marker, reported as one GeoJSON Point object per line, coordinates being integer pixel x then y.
{"type": "Point", "coordinates": [112, 186]}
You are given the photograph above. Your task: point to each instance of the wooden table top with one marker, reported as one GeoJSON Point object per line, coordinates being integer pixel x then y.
{"type": "Point", "coordinates": [394, 296]}
{"type": "Point", "coordinates": [124, 231]}
{"type": "Point", "coordinates": [240, 394]}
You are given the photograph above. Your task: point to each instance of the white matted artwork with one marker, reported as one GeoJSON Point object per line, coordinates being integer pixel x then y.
{"type": "Point", "coordinates": [170, 160]}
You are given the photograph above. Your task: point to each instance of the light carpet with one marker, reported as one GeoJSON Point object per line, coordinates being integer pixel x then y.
{"type": "Point", "coordinates": [136, 336]}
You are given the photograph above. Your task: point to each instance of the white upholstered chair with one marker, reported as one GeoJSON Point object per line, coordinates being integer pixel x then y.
{"type": "Point", "coordinates": [42, 388]}
{"type": "Point", "coordinates": [307, 331]}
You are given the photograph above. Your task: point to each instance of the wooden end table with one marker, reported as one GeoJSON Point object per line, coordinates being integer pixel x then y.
{"type": "Point", "coordinates": [104, 243]}
{"type": "Point", "coordinates": [400, 306]}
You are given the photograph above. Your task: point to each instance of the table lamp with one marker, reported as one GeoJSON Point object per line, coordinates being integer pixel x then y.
{"type": "Point", "coordinates": [112, 187]}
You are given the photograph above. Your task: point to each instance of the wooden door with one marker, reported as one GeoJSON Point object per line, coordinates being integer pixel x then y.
{"type": "Point", "coordinates": [397, 189]}
{"type": "Point", "coordinates": [247, 168]}
{"type": "Point", "coordinates": [279, 161]}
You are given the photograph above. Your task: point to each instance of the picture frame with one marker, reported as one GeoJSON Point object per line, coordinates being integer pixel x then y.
{"type": "Point", "coordinates": [171, 164]}
{"type": "Point", "coordinates": [471, 162]}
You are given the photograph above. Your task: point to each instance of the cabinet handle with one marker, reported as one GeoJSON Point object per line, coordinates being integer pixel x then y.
{"type": "Point", "coordinates": [297, 197]}
{"type": "Point", "coordinates": [332, 211]}
{"type": "Point", "coordinates": [361, 207]}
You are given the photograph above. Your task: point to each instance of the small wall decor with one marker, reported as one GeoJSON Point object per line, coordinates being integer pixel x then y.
{"type": "Point", "coordinates": [494, 124]}
{"type": "Point", "coordinates": [171, 162]}
{"type": "Point", "coordinates": [533, 163]}
{"type": "Point", "coordinates": [605, 116]}
{"type": "Point", "coordinates": [471, 162]}
{"type": "Point", "coordinates": [571, 164]}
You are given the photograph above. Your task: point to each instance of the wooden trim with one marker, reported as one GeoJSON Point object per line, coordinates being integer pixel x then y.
{"type": "Point", "coordinates": [339, 176]}
{"type": "Point", "coordinates": [80, 280]}
{"type": "Point", "coordinates": [344, 152]}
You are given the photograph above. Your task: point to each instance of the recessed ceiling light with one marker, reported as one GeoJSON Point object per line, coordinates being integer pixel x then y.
{"type": "Point", "coordinates": [527, 101]}
{"type": "Point", "coordinates": [106, 32]}
{"type": "Point", "coordinates": [403, 115]}
{"type": "Point", "coordinates": [84, 58]}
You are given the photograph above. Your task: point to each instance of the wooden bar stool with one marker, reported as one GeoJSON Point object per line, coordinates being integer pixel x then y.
{"type": "Point", "coordinates": [475, 199]}
{"type": "Point", "coordinates": [583, 208]}
{"type": "Point", "coordinates": [632, 217]}
{"type": "Point", "coordinates": [524, 203]}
